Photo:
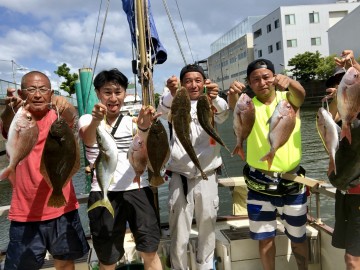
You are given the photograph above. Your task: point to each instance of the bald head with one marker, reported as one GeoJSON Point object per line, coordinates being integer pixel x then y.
{"type": "Point", "coordinates": [31, 74]}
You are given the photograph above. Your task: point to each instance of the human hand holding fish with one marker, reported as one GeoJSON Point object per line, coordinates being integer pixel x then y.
{"type": "Point", "coordinates": [347, 59]}
{"type": "Point", "coordinates": [173, 84]}
{"type": "Point", "coordinates": [146, 116]}
{"type": "Point", "coordinates": [281, 82]}
{"type": "Point", "coordinates": [98, 112]}
{"type": "Point", "coordinates": [212, 89]}
{"type": "Point", "coordinates": [13, 101]}
{"type": "Point", "coordinates": [235, 89]}
{"type": "Point", "coordinates": [64, 109]}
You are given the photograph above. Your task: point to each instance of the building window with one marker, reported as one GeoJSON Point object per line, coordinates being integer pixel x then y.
{"type": "Point", "coordinates": [259, 53]}
{"type": "Point", "coordinates": [268, 28]}
{"type": "Point", "coordinates": [290, 19]}
{"type": "Point", "coordinates": [277, 23]}
{"type": "Point", "coordinates": [291, 43]}
{"type": "Point", "coordinates": [257, 33]}
{"type": "Point", "coordinates": [314, 17]}
{"type": "Point", "coordinates": [315, 41]}
{"type": "Point", "coordinates": [278, 46]}
{"type": "Point", "coordinates": [270, 49]}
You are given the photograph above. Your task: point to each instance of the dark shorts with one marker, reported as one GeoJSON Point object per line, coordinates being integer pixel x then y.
{"type": "Point", "coordinates": [347, 223]}
{"type": "Point", "coordinates": [135, 207]}
{"type": "Point", "coordinates": [63, 237]}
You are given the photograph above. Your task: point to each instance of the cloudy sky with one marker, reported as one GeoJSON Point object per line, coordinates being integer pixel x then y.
{"type": "Point", "coordinates": [43, 34]}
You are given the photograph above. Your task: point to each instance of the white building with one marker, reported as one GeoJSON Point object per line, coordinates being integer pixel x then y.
{"type": "Point", "coordinates": [281, 35]}
{"type": "Point", "coordinates": [345, 34]}
{"type": "Point", "coordinates": [292, 30]}
{"type": "Point", "coordinates": [231, 54]}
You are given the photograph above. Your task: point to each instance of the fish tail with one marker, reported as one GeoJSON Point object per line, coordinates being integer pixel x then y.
{"type": "Point", "coordinates": [269, 157]}
{"type": "Point", "coordinates": [156, 180]}
{"type": "Point", "coordinates": [103, 203]}
{"type": "Point", "coordinates": [331, 169]}
{"type": "Point", "coordinates": [5, 173]}
{"type": "Point", "coordinates": [240, 151]}
{"type": "Point", "coordinates": [56, 200]}
{"type": "Point", "coordinates": [204, 176]}
{"type": "Point", "coordinates": [345, 132]}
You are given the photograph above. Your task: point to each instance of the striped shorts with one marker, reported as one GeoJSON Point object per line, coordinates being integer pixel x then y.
{"type": "Point", "coordinates": [262, 211]}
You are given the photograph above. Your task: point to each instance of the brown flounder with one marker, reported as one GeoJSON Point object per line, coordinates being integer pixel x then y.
{"type": "Point", "coordinates": [158, 152]}
{"type": "Point", "coordinates": [60, 160]}
{"type": "Point", "coordinates": [180, 118]}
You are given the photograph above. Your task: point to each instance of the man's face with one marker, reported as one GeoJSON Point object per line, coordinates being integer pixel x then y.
{"type": "Point", "coordinates": [194, 84]}
{"type": "Point", "coordinates": [37, 93]}
{"type": "Point", "coordinates": [260, 81]}
{"type": "Point", "coordinates": [112, 95]}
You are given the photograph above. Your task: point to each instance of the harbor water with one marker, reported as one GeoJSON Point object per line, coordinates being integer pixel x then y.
{"type": "Point", "coordinates": [314, 160]}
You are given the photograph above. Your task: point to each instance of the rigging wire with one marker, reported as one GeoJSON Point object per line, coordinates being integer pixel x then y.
{"type": "Point", "coordinates": [97, 24]}
{"type": "Point", "coordinates": [98, 51]}
{"type": "Point", "coordinates": [173, 28]}
{"type": "Point", "coordinates": [182, 22]}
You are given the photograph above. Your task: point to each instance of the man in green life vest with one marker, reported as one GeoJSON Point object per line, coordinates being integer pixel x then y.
{"type": "Point", "coordinates": [268, 193]}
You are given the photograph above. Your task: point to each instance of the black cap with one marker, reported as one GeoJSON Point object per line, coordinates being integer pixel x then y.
{"type": "Point", "coordinates": [260, 63]}
{"type": "Point", "coordinates": [191, 68]}
{"type": "Point", "coordinates": [336, 77]}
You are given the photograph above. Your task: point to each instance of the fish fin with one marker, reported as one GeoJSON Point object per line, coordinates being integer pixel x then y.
{"type": "Point", "coordinates": [104, 203]}
{"type": "Point", "coordinates": [137, 179]}
{"type": "Point", "coordinates": [56, 200]}
{"type": "Point", "coordinates": [5, 173]}
{"type": "Point", "coordinates": [269, 157]}
{"type": "Point", "coordinates": [240, 151]}
{"type": "Point", "coordinates": [156, 180]}
{"type": "Point", "coordinates": [345, 132]}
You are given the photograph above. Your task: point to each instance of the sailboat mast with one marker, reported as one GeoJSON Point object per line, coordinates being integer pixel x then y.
{"type": "Point", "coordinates": [144, 65]}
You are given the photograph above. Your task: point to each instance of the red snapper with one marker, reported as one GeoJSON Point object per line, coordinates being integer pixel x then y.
{"type": "Point", "coordinates": [22, 136]}
{"type": "Point", "coordinates": [282, 123]}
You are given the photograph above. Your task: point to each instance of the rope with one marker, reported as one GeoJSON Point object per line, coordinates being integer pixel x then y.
{"type": "Point", "coordinates": [173, 28]}
{"type": "Point", "coordinates": [184, 31]}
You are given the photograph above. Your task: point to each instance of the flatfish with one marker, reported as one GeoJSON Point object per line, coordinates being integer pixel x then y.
{"type": "Point", "coordinates": [180, 118]}
{"type": "Point", "coordinates": [23, 135]}
{"type": "Point", "coordinates": [205, 116]}
{"type": "Point", "coordinates": [158, 152]}
{"type": "Point", "coordinates": [60, 160]}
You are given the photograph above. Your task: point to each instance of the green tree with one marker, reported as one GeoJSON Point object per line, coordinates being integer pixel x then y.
{"type": "Point", "coordinates": [305, 65]}
{"type": "Point", "coordinates": [69, 84]}
{"type": "Point", "coordinates": [157, 98]}
{"type": "Point", "coordinates": [326, 67]}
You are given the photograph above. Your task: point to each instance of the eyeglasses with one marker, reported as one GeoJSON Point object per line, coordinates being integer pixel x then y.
{"type": "Point", "coordinates": [32, 90]}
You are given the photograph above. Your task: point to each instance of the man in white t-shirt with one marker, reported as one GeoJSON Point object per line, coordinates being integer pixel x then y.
{"type": "Point", "coordinates": [133, 203]}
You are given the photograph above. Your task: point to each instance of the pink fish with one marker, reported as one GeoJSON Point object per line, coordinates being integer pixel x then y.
{"type": "Point", "coordinates": [348, 100]}
{"type": "Point", "coordinates": [329, 134]}
{"type": "Point", "coordinates": [244, 119]}
{"type": "Point", "coordinates": [282, 123]}
{"type": "Point", "coordinates": [138, 157]}
{"type": "Point", "coordinates": [22, 136]}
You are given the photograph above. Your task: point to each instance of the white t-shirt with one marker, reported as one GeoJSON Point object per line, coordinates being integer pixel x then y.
{"type": "Point", "coordinates": [124, 174]}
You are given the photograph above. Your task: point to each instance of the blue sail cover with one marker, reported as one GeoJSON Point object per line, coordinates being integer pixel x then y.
{"type": "Point", "coordinates": [160, 54]}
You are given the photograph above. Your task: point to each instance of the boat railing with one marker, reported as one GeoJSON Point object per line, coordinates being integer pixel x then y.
{"type": "Point", "coordinates": [324, 189]}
